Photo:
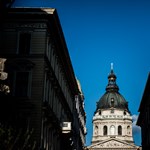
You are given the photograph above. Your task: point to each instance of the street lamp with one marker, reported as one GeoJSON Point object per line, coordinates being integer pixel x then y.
{"type": "Point", "coordinates": [3, 76]}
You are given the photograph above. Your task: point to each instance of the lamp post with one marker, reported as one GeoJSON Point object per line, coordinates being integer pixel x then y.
{"type": "Point", "coordinates": [3, 76]}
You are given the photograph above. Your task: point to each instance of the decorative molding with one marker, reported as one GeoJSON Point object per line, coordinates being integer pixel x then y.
{"type": "Point", "coordinates": [27, 25]}
{"type": "Point", "coordinates": [112, 144]}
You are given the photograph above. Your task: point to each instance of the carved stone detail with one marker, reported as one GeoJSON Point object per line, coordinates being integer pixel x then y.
{"type": "Point", "coordinates": [27, 25]}
{"type": "Point", "coordinates": [113, 144]}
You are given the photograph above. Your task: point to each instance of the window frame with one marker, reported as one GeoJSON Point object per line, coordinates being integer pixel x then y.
{"type": "Point", "coordinates": [18, 43]}
{"type": "Point", "coordinates": [105, 130]}
{"type": "Point", "coordinates": [119, 130]}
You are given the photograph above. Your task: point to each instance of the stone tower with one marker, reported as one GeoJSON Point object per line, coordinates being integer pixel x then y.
{"type": "Point", "coordinates": [112, 120]}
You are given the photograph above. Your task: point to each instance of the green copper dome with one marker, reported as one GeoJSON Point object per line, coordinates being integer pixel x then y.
{"type": "Point", "coordinates": [112, 98]}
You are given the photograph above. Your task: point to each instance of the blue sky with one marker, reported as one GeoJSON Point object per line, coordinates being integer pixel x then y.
{"type": "Point", "coordinates": [98, 32]}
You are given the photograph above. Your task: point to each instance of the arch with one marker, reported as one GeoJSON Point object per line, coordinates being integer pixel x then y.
{"type": "Point", "coordinates": [112, 130]}
{"type": "Point", "coordinates": [119, 130]}
{"type": "Point", "coordinates": [105, 130]}
{"type": "Point", "coordinates": [128, 129]}
{"type": "Point", "coordinates": [96, 129]}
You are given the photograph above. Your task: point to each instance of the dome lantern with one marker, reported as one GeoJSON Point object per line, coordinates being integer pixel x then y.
{"type": "Point", "coordinates": [112, 98]}
{"type": "Point", "coordinates": [112, 86]}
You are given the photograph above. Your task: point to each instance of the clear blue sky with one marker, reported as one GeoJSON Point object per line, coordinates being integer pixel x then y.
{"type": "Point", "coordinates": [98, 32]}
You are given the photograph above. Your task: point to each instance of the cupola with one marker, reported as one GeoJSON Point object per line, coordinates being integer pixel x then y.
{"type": "Point", "coordinates": [112, 98]}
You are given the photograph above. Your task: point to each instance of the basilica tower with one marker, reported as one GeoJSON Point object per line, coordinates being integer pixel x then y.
{"type": "Point", "coordinates": [112, 120]}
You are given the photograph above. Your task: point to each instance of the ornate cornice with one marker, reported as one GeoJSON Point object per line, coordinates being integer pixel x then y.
{"type": "Point", "coordinates": [26, 25]}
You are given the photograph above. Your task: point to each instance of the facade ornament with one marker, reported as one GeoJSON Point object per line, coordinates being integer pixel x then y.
{"type": "Point", "coordinates": [3, 76]}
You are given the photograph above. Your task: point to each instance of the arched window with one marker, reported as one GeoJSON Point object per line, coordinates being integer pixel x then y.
{"type": "Point", "coordinates": [128, 129]}
{"type": "Point", "coordinates": [119, 130]}
{"type": "Point", "coordinates": [112, 130]}
{"type": "Point", "coordinates": [96, 130]}
{"type": "Point", "coordinates": [105, 130]}
{"type": "Point", "coordinates": [112, 102]}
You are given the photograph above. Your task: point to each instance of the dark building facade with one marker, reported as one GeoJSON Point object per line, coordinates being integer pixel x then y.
{"type": "Point", "coordinates": [144, 116]}
{"type": "Point", "coordinates": [45, 96]}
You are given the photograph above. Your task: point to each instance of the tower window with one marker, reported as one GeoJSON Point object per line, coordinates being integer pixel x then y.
{"type": "Point", "coordinates": [105, 130]}
{"type": "Point", "coordinates": [24, 43]}
{"type": "Point", "coordinates": [112, 102]}
{"type": "Point", "coordinates": [99, 112]}
{"type": "Point", "coordinates": [128, 129]}
{"type": "Point", "coordinates": [96, 130]}
{"type": "Point", "coordinates": [119, 130]}
{"type": "Point", "coordinates": [112, 130]}
{"type": "Point", "coordinates": [124, 112]}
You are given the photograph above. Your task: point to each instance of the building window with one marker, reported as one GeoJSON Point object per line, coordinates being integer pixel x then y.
{"type": "Point", "coordinates": [100, 112]}
{"type": "Point", "coordinates": [105, 130]}
{"type": "Point", "coordinates": [112, 102]}
{"type": "Point", "coordinates": [112, 130]}
{"type": "Point", "coordinates": [128, 129]}
{"type": "Point", "coordinates": [96, 130]}
{"type": "Point", "coordinates": [119, 130]}
{"type": "Point", "coordinates": [22, 84]}
{"type": "Point", "coordinates": [24, 43]}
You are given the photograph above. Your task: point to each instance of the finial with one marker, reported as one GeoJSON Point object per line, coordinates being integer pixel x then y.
{"type": "Point", "coordinates": [112, 66]}
{"type": "Point", "coordinates": [112, 86]}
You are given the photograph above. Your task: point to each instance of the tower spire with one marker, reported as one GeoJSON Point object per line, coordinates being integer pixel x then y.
{"type": "Point", "coordinates": [112, 67]}
{"type": "Point", "coordinates": [112, 86]}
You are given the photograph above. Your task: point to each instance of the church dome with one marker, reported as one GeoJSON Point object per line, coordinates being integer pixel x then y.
{"type": "Point", "coordinates": [112, 98]}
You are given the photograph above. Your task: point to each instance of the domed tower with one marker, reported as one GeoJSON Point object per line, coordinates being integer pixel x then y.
{"type": "Point", "coordinates": [112, 121]}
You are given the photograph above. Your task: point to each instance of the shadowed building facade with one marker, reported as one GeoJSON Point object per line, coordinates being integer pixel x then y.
{"type": "Point", "coordinates": [112, 121]}
{"type": "Point", "coordinates": [45, 98]}
{"type": "Point", "coordinates": [144, 116]}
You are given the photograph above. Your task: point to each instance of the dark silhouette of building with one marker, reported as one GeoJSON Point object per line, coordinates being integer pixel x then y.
{"type": "Point", "coordinates": [144, 116]}
{"type": "Point", "coordinates": [6, 3]}
{"type": "Point", "coordinates": [45, 96]}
